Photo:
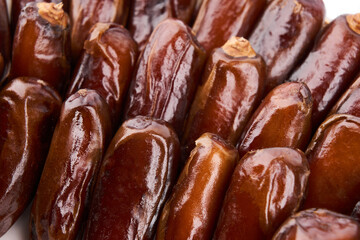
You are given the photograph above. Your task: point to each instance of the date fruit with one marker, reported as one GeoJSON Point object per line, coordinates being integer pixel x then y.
{"type": "Point", "coordinates": [267, 187]}
{"type": "Point", "coordinates": [135, 178]}
{"type": "Point", "coordinates": [145, 15]}
{"type": "Point", "coordinates": [106, 65]}
{"type": "Point", "coordinates": [230, 91]}
{"type": "Point", "coordinates": [75, 154]}
{"type": "Point", "coordinates": [333, 155]}
{"type": "Point", "coordinates": [29, 109]}
{"type": "Point", "coordinates": [331, 65]}
{"type": "Point", "coordinates": [192, 210]}
{"type": "Point", "coordinates": [85, 13]}
{"type": "Point", "coordinates": [283, 119]}
{"type": "Point", "coordinates": [41, 45]}
{"type": "Point", "coordinates": [349, 103]}
{"type": "Point", "coordinates": [218, 20]}
{"type": "Point", "coordinates": [285, 34]}
{"type": "Point", "coordinates": [319, 224]}
{"type": "Point", "coordinates": [166, 75]}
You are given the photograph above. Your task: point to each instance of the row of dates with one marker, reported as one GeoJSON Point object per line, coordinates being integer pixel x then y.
{"type": "Point", "coordinates": [185, 98]}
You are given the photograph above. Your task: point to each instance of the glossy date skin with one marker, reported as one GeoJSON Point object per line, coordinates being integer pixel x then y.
{"type": "Point", "coordinates": [5, 42]}
{"type": "Point", "coordinates": [218, 20]}
{"type": "Point", "coordinates": [285, 35]}
{"type": "Point", "coordinates": [331, 65]}
{"type": "Point", "coordinates": [166, 75]}
{"type": "Point", "coordinates": [266, 188]}
{"type": "Point", "coordinates": [135, 178]}
{"type": "Point", "coordinates": [29, 109]}
{"type": "Point", "coordinates": [76, 151]}
{"type": "Point", "coordinates": [17, 5]}
{"type": "Point", "coordinates": [319, 224]}
{"type": "Point", "coordinates": [106, 65]}
{"type": "Point", "coordinates": [231, 89]}
{"type": "Point", "coordinates": [199, 192]}
{"type": "Point", "coordinates": [349, 102]}
{"type": "Point", "coordinates": [283, 119]}
{"type": "Point", "coordinates": [85, 13]}
{"type": "Point", "coordinates": [145, 15]}
{"type": "Point", "coordinates": [333, 155]}
{"type": "Point", "coordinates": [41, 46]}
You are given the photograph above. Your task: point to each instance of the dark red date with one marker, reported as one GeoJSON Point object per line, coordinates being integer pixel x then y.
{"type": "Point", "coordinates": [266, 188]}
{"type": "Point", "coordinates": [135, 178]}
{"type": "Point", "coordinates": [28, 113]}
{"type": "Point", "coordinates": [331, 65]}
{"type": "Point", "coordinates": [5, 42]}
{"type": "Point", "coordinates": [41, 45]}
{"type": "Point", "coordinates": [75, 154]}
{"type": "Point", "coordinates": [285, 35]}
{"type": "Point", "coordinates": [192, 209]}
{"type": "Point", "coordinates": [333, 155]}
{"type": "Point", "coordinates": [106, 65]}
{"type": "Point", "coordinates": [283, 119]}
{"type": "Point", "coordinates": [231, 89]}
{"type": "Point", "coordinates": [167, 74]}
{"type": "Point", "coordinates": [218, 20]}
{"type": "Point", "coordinates": [319, 224]}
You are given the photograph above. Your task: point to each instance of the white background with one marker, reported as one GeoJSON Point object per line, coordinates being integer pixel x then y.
{"type": "Point", "coordinates": [333, 8]}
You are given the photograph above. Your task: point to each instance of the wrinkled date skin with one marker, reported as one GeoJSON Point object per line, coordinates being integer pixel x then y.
{"type": "Point", "coordinates": [135, 179]}
{"type": "Point", "coordinates": [145, 15]}
{"type": "Point", "coordinates": [106, 65]}
{"type": "Point", "coordinates": [167, 74]}
{"type": "Point", "coordinates": [41, 45]}
{"type": "Point", "coordinates": [319, 224]}
{"type": "Point", "coordinates": [349, 103]}
{"type": "Point", "coordinates": [29, 109]}
{"type": "Point", "coordinates": [85, 13]}
{"type": "Point", "coordinates": [5, 42]}
{"type": "Point", "coordinates": [218, 20]}
{"type": "Point", "coordinates": [231, 89]}
{"type": "Point", "coordinates": [283, 119]}
{"type": "Point", "coordinates": [356, 212]}
{"type": "Point", "coordinates": [333, 155]}
{"type": "Point", "coordinates": [285, 34]}
{"type": "Point", "coordinates": [75, 154]}
{"type": "Point", "coordinates": [266, 188]}
{"type": "Point", "coordinates": [332, 64]}
{"type": "Point", "coordinates": [17, 5]}
{"type": "Point", "coordinates": [192, 210]}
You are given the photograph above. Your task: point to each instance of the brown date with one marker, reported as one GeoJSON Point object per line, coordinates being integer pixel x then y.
{"type": "Point", "coordinates": [333, 155]}
{"type": "Point", "coordinates": [136, 176]}
{"type": "Point", "coordinates": [192, 210]}
{"type": "Point", "coordinates": [349, 102]}
{"type": "Point", "coordinates": [29, 109]}
{"type": "Point", "coordinates": [75, 154]}
{"type": "Point", "coordinates": [319, 224]}
{"type": "Point", "coordinates": [106, 65]}
{"type": "Point", "coordinates": [166, 76]}
{"type": "Point", "coordinates": [218, 20]}
{"type": "Point", "coordinates": [231, 89]}
{"type": "Point", "coordinates": [5, 42]}
{"type": "Point", "coordinates": [145, 15]}
{"type": "Point", "coordinates": [17, 5]}
{"type": "Point", "coordinates": [267, 187]}
{"type": "Point", "coordinates": [283, 119]}
{"type": "Point", "coordinates": [285, 34]}
{"type": "Point", "coordinates": [41, 45]}
{"type": "Point", "coordinates": [356, 212]}
{"type": "Point", "coordinates": [85, 13]}
{"type": "Point", "coordinates": [331, 65]}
